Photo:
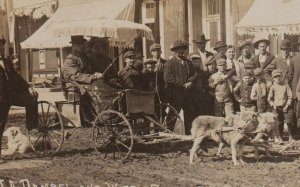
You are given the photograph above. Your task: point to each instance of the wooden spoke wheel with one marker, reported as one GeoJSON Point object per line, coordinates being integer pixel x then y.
{"type": "Point", "coordinates": [47, 138]}
{"type": "Point", "coordinates": [168, 116]}
{"type": "Point", "coordinates": [112, 136]}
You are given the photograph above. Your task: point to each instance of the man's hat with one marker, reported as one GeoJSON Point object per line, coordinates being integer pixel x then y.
{"type": "Point", "coordinates": [244, 43]}
{"type": "Point", "coordinates": [247, 74]}
{"type": "Point", "coordinates": [129, 54]}
{"type": "Point", "coordinates": [77, 40]}
{"type": "Point", "coordinates": [210, 60]}
{"type": "Point", "coordinates": [150, 61]}
{"type": "Point", "coordinates": [276, 72]}
{"type": "Point", "coordinates": [95, 40]}
{"type": "Point", "coordinates": [286, 44]}
{"type": "Point", "coordinates": [249, 64]}
{"type": "Point", "coordinates": [179, 44]}
{"type": "Point", "coordinates": [219, 44]}
{"type": "Point", "coordinates": [155, 46]}
{"type": "Point", "coordinates": [193, 56]}
{"type": "Point", "coordinates": [261, 40]}
{"type": "Point", "coordinates": [201, 40]}
{"type": "Point", "coordinates": [258, 71]}
{"type": "Point", "coordinates": [221, 62]}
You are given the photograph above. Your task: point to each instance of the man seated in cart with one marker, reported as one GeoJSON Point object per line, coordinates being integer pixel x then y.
{"type": "Point", "coordinates": [78, 69]}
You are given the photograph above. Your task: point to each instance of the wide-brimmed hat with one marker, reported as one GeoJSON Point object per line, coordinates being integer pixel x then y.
{"type": "Point", "coordinates": [261, 40]}
{"type": "Point", "coordinates": [155, 46]}
{"type": "Point", "coordinates": [276, 72]}
{"type": "Point", "coordinates": [219, 44]}
{"type": "Point", "coordinates": [244, 43]}
{"type": "Point", "coordinates": [193, 56]}
{"type": "Point", "coordinates": [201, 40]}
{"type": "Point", "coordinates": [179, 44]}
{"type": "Point", "coordinates": [95, 40]}
{"type": "Point", "coordinates": [150, 61]}
{"type": "Point", "coordinates": [258, 71]}
{"type": "Point", "coordinates": [77, 40]}
{"type": "Point", "coordinates": [129, 54]}
{"type": "Point", "coordinates": [285, 44]}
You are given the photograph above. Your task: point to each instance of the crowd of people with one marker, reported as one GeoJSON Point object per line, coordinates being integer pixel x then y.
{"type": "Point", "coordinates": [205, 83]}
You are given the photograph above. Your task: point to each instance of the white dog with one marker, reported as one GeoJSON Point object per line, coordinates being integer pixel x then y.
{"type": "Point", "coordinates": [17, 142]}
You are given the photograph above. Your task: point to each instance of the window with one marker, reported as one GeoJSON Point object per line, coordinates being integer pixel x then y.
{"type": "Point", "coordinates": [213, 7]}
{"type": "Point", "coordinates": [150, 10]}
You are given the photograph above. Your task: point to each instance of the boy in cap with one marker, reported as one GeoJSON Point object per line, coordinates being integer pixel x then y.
{"type": "Point", "coordinates": [130, 74]}
{"type": "Point", "coordinates": [260, 91]}
{"type": "Point", "coordinates": [149, 77]}
{"type": "Point", "coordinates": [242, 93]}
{"type": "Point", "coordinates": [280, 98]}
{"type": "Point", "coordinates": [222, 86]}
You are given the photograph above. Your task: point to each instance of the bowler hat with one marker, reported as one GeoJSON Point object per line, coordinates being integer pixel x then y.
{"type": "Point", "coordinates": [150, 61]}
{"type": "Point", "coordinates": [179, 44]}
{"type": "Point", "coordinates": [286, 44]}
{"type": "Point", "coordinates": [129, 54]}
{"type": "Point", "coordinates": [77, 40]}
{"type": "Point", "coordinates": [276, 72]}
{"type": "Point", "coordinates": [155, 46]}
{"type": "Point", "coordinates": [201, 40]}
{"type": "Point", "coordinates": [219, 44]}
{"type": "Point", "coordinates": [258, 71]}
{"type": "Point", "coordinates": [261, 40]}
{"type": "Point", "coordinates": [244, 43]}
{"type": "Point", "coordinates": [193, 56]}
{"type": "Point", "coordinates": [221, 62]}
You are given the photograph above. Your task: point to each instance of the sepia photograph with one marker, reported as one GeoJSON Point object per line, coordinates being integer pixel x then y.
{"type": "Point", "coordinates": [149, 93]}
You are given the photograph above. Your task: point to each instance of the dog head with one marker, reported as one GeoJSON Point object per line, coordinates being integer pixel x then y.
{"type": "Point", "coordinates": [248, 121]}
{"type": "Point", "coordinates": [12, 132]}
{"type": "Point", "coordinates": [268, 124]}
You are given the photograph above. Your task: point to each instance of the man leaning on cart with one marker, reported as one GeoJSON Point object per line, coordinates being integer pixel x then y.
{"type": "Point", "coordinates": [14, 90]}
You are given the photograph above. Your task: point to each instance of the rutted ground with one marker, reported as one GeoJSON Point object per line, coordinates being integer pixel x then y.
{"type": "Point", "coordinates": [78, 164]}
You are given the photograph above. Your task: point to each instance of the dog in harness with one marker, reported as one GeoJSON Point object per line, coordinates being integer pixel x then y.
{"type": "Point", "coordinates": [231, 130]}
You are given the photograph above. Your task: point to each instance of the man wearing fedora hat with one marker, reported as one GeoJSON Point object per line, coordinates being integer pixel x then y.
{"type": "Point", "coordinates": [179, 76]}
{"type": "Point", "coordinates": [220, 49]}
{"type": "Point", "coordinates": [204, 54]}
{"type": "Point", "coordinates": [99, 60]}
{"type": "Point", "coordinates": [76, 68]}
{"type": "Point", "coordinates": [282, 62]}
{"type": "Point", "coordinates": [246, 56]}
{"type": "Point", "coordinates": [264, 59]}
{"type": "Point", "coordinates": [15, 91]}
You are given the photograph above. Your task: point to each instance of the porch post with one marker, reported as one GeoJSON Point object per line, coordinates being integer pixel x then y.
{"type": "Point", "coordinates": [157, 29]}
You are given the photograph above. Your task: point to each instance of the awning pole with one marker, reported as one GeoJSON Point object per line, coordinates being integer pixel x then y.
{"type": "Point", "coordinates": [60, 61]}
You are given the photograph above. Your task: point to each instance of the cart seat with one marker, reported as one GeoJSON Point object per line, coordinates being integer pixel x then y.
{"type": "Point", "coordinates": [140, 101]}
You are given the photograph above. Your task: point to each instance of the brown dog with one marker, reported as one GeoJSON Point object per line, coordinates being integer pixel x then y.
{"type": "Point", "coordinates": [231, 131]}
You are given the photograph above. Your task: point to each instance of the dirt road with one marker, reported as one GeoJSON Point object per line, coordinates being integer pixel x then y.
{"type": "Point", "coordinates": [77, 164]}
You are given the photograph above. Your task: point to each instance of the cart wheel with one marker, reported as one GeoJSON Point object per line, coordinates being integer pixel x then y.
{"type": "Point", "coordinates": [112, 135]}
{"type": "Point", "coordinates": [48, 137]}
{"type": "Point", "coordinates": [168, 115]}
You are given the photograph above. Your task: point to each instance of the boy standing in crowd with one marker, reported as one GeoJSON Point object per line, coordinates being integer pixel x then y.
{"type": "Point", "coordinates": [223, 90]}
{"type": "Point", "coordinates": [242, 93]}
{"type": "Point", "coordinates": [280, 98]}
{"type": "Point", "coordinates": [260, 91]}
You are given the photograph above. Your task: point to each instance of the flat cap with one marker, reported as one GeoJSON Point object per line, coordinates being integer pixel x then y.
{"type": "Point", "coordinates": [249, 64]}
{"type": "Point", "coordinates": [150, 61]}
{"type": "Point", "coordinates": [155, 46]}
{"type": "Point", "coordinates": [276, 72]}
{"type": "Point", "coordinates": [258, 71]}
{"type": "Point", "coordinates": [129, 54]}
{"type": "Point", "coordinates": [247, 74]}
{"type": "Point", "coordinates": [221, 62]}
{"type": "Point", "coordinates": [193, 56]}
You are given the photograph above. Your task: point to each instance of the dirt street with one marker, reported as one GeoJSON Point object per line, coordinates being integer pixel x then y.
{"type": "Point", "coordinates": [162, 165]}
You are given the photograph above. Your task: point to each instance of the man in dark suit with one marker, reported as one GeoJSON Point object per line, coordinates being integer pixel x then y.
{"type": "Point", "coordinates": [14, 90]}
{"type": "Point", "coordinates": [294, 75]}
{"type": "Point", "coordinates": [264, 59]}
{"type": "Point", "coordinates": [283, 61]}
{"type": "Point", "coordinates": [204, 54]}
{"type": "Point", "coordinates": [179, 76]}
{"type": "Point", "coordinates": [76, 68]}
